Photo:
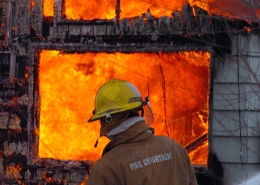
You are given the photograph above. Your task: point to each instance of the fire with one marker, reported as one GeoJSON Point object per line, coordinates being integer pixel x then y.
{"type": "Point", "coordinates": [46, 178]}
{"type": "Point", "coordinates": [14, 171]}
{"type": "Point", "coordinates": [33, 3]}
{"type": "Point", "coordinates": [78, 9]}
{"type": "Point", "coordinates": [177, 84]}
{"type": "Point", "coordinates": [48, 7]}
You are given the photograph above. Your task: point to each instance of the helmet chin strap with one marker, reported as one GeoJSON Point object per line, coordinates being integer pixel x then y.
{"type": "Point", "coordinates": [148, 111]}
{"type": "Point", "coordinates": [98, 139]}
{"type": "Point", "coordinates": [109, 123]}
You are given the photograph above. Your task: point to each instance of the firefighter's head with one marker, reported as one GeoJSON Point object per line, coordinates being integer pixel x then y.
{"type": "Point", "coordinates": [115, 101]}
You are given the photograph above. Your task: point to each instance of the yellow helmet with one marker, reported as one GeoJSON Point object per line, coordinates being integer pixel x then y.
{"type": "Point", "coordinates": [116, 96]}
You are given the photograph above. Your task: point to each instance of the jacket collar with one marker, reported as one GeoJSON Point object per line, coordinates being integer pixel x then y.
{"type": "Point", "coordinates": [123, 126]}
{"type": "Point", "coordinates": [136, 132]}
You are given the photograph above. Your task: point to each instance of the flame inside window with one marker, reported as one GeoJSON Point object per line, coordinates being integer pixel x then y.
{"type": "Point", "coordinates": [177, 84]}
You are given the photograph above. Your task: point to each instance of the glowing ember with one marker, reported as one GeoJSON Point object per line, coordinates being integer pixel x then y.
{"type": "Point", "coordinates": [46, 178]}
{"type": "Point", "coordinates": [76, 9]}
{"type": "Point", "coordinates": [33, 3]}
{"type": "Point", "coordinates": [15, 172]}
{"type": "Point", "coordinates": [177, 85]}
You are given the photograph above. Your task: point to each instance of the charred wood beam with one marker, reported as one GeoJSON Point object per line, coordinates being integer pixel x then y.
{"type": "Point", "coordinates": [197, 143]}
{"type": "Point", "coordinates": [118, 12]}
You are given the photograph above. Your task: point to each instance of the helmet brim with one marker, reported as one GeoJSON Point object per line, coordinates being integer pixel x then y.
{"type": "Point", "coordinates": [99, 116]}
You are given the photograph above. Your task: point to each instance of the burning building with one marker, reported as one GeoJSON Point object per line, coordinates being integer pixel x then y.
{"type": "Point", "coordinates": [199, 69]}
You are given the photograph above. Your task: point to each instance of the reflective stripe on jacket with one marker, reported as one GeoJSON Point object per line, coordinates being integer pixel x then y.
{"type": "Point", "coordinates": [137, 157]}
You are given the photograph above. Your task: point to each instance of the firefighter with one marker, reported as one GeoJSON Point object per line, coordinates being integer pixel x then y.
{"type": "Point", "coordinates": [134, 155]}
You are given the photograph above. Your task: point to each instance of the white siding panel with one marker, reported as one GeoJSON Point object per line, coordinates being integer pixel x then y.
{"type": "Point", "coordinates": [253, 149]}
{"type": "Point", "coordinates": [251, 121]}
{"type": "Point", "coordinates": [236, 96]}
{"type": "Point", "coordinates": [237, 174]}
{"type": "Point", "coordinates": [244, 69]}
{"type": "Point", "coordinates": [254, 45]}
{"type": "Point", "coordinates": [250, 94]}
{"type": "Point", "coordinates": [226, 123]}
{"type": "Point", "coordinates": [254, 69]}
{"type": "Point", "coordinates": [225, 97]}
{"type": "Point", "coordinates": [240, 45]}
{"type": "Point", "coordinates": [250, 69]}
{"type": "Point", "coordinates": [226, 71]}
{"type": "Point", "coordinates": [228, 149]}
{"type": "Point", "coordinates": [234, 40]}
{"type": "Point", "coordinates": [235, 111]}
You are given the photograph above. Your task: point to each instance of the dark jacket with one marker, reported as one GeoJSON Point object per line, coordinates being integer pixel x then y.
{"type": "Point", "coordinates": [137, 157]}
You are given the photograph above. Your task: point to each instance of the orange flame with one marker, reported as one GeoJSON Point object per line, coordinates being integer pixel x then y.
{"type": "Point", "coordinates": [78, 9]}
{"type": "Point", "coordinates": [32, 4]}
{"type": "Point", "coordinates": [15, 172]}
{"type": "Point", "coordinates": [48, 6]}
{"type": "Point", "coordinates": [177, 84]}
{"type": "Point", "coordinates": [46, 178]}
